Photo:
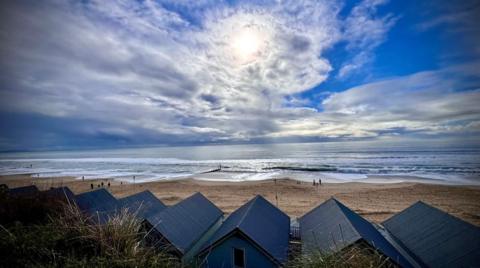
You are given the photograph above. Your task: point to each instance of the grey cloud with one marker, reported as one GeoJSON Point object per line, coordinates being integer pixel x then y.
{"type": "Point", "coordinates": [209, 98]}
{"type": "Point", "coordinates": [300, 43]}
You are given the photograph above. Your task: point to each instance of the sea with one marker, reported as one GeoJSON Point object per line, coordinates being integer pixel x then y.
{"type": "Point", "coordinates": [330, 162]}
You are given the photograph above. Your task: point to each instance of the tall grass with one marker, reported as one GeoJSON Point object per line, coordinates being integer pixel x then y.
{"type": "Point", "coordinates": [68, 238]}
{"type": "Point", "coordinates": [358, 255]}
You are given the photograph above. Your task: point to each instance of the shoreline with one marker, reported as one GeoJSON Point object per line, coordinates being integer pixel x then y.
{"type": "Point", "coordinates": [328, 178]}
{"type": "Point", "coordinates": [374, 201]}
{"type": "Point", "coordinates": [333, 178]}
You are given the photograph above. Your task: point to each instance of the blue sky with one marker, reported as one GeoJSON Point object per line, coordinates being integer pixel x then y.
{"type": "Point", "coordinates": [82, 74]}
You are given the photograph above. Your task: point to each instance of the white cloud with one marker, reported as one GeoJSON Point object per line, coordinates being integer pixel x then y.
{"type": "Point", "coordinates": [137, 68]}
{"type": "Point", "coordinates": [364, 31]}
{"type": "Point", "coordinates": [427, 103]}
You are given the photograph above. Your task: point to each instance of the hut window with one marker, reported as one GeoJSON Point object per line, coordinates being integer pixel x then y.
{"type": "Point", "coordinates": [238, 258]}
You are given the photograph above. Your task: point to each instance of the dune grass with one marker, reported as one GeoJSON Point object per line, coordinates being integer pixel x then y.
{"type": "Point", "coordinates": [64, 237]}
{"type": "Point", "coordinates": [359, 255]}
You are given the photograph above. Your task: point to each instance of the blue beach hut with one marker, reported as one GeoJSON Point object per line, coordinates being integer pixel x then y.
{"type": "Point", "coordinates": [23, 191]}
{"type": "Point", "coordinates": [254, 235]}
{"type": "Point", "coordinates": [61, 193]}
{"type": "Point", "coordinates": [435, 237]}
{"type": "Point", "coordinates": [142, 204]}
{"type": "Point", "coordinates": [182, 228]}
{"type": "Point", "coordinates": [331, 227]}
{"type": "Point", "coordinates": [99, 204]}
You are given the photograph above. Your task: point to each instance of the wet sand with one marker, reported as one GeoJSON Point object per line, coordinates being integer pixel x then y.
{"type": "Point", "coordinates": [374, 201]}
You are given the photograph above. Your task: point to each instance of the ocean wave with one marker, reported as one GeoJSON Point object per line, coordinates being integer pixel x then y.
{"type": "Point", "coordinates": [305, 164]}
{"type": "Point", "coordinates": [307, 169]}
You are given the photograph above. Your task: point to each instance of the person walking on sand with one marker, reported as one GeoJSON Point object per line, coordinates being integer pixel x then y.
{"type": "Point", "coordinates": [91, 186]}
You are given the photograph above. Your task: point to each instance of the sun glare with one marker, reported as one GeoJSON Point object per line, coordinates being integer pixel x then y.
{"type": "Point", "coordinates": [247, 44]}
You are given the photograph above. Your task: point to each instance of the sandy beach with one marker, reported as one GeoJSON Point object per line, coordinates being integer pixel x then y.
{"type": "Point", "coordinates": [374, 201]}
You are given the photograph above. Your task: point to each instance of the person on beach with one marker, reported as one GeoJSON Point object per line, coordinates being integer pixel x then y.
{"type": "Point", "coordinates": [91, 185]}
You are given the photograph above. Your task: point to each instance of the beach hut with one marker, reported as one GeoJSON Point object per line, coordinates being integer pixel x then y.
{"type": "Point", "coordinates": [142, 204]}
{"type": "Point", "coordinates": [23, 191]}
{"type": "Point", "coordinates": [332, 227]}
{"type": "Point", "coordinates": [435, 237]}
{"type": "Point", "coordinates": [254, 235]}
{"type": "Point", "coordinates": [61, 193]}
{"type": "Point", "coordinates": [182, 228]}
{"type": "Point", "coordinates": [99, 204]}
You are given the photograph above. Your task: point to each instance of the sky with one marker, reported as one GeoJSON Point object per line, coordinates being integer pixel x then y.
{"type": "Point", "coordinates": [95, 74]}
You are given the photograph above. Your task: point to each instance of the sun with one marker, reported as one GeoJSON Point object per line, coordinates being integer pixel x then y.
{"type": "Point", "coordinates": [247, 44]}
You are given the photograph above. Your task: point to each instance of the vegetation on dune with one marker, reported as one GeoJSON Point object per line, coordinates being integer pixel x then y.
{"type": "Point", "coordinates": [359, 255]}
{"type": "Point", "coordinates": [62, 236]}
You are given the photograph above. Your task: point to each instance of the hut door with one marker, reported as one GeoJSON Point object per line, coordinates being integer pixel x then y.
{"type": "Point", "coordinates": [238, 258]}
